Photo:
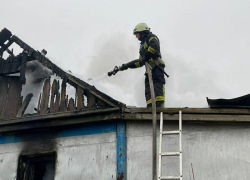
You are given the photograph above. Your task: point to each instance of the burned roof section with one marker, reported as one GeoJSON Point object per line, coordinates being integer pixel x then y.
{"type": "Point", "coordinates": [239, 102]}
{"type": "Point", "coordinates": [53, 97]}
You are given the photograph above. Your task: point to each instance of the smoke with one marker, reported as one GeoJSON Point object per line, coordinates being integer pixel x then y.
{"type": "Point", "coordinates": [188, 86]}
{"type": "Point", "coordinates": [125, 86]}
{"type": "Point", "coordinates": [36, 74]}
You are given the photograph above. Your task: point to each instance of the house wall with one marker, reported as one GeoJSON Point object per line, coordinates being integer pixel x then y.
{"type": "Point", "coordinates": [210, 151]}
{"type": "Point", "coordinates": [83, 152]}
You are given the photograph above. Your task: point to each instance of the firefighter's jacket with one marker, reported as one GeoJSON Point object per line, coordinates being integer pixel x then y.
{"type": "Point", "coordinates": [149, 51]}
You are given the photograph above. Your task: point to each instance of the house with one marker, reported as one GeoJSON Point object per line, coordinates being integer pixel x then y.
{"type": "Point", "coordinates": [93, 136]}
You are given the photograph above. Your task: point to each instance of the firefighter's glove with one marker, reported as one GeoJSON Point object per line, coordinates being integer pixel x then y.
{"type": "Point", "coordinates": [123, 67]}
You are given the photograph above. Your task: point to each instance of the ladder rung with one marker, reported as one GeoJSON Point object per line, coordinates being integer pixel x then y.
{"type": "Point", "coordinates": [170, 132]}
{"type": "Point", "coordinates": [170, 177]}
{"type": "Point", "coordinates": [170, 154]}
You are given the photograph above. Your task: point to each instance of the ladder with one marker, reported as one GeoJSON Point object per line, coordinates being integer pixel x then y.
{"type": "Point", "coordinates": [179, 153]}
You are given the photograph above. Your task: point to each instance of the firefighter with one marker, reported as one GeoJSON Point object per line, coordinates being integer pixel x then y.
{"type": "Point", "coordinates": [149, 52]}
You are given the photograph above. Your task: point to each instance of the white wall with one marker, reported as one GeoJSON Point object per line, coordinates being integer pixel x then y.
{"type": "Point", "coordinates": [78, 157]}
{"type": "Point", "coordinates": [216, 151]}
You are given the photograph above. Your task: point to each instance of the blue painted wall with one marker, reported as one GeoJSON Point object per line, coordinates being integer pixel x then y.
{"type": "Point", "coordinates": [85, 129]}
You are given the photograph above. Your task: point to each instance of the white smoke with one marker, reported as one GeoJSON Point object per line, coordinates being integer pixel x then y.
{"type": "Point", "coordinates": [36, 74]}
{"type": "Point", "coordinates": [188, 86]}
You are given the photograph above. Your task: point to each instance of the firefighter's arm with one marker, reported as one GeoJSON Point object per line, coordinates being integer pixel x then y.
{"type": "Point", "coordinates": [133, 64]}
{"type": "Point", "coordinates": [153, 48]}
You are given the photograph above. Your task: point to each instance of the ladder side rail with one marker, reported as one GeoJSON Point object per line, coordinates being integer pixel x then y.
{"type": "Point", "coordinates": [180, 142]}
{"type": "Point", "coordinates": [160, 143]}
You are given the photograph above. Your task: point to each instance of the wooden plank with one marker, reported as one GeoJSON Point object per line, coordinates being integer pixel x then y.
{"type": "Point", "coordinates": [6, 66]}
{"type": "Point", "coordinates": [1, 64]}
{"type": "Point", "coordinates": [5, 35]}
{"type": "Point", "coordinates": [59, 115]}
{"type": "Point", "coordinates": [91, 100]}
{"type": "Point", "coordinates": [79, 97]}
{"type": "Point", "coordinates": [100, 103]}
{"type": "Point", "coordinates": [72, 80]}
{"type": "Point", "coordinates": [38, 104]}
{"type": "Point", "coordinates": [63, 104]}
{"type": "Point", "coordinates": [3, 93]}
{"type": "Point", "coordinates": [54, 94]}
{"type": "Point", "coordinates": [190, 117]}
{"type": "Point", "coordinates": [56, 105]}
{"type": "Point", "coordinates": [189, 110]}
{"type": "Point", "coordinates": [34, 124]}
{"type": "Point", "coordinates": [23, 68]}
{"type": "Point", "coordinates": [24, 105]}
{"type": "Point", "coordinates": [45, 97]}
{"type": "Point", "coordinates": [4, 47]}
{"type": "Point", "coordinates": [13, 98]}
{"type": "Point", "coordinates": [71, 106]}
{"type": "Point", "coordinates": [154, 122]}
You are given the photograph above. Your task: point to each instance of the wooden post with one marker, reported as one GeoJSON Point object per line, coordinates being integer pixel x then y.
{"type": "Point", "coordinates": [24, 106]}
{"type": "Point", "coordinates": [79, 97]}
{"type": "Point", "coordinates": [151, 84]}
{"type": "Point", "coordinates": [63, 104]}
{"type": "Point", "coordinates": [45, 97]}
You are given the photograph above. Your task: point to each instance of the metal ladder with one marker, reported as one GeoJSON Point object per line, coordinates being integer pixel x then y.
{"type": "Point", "coordinates": [170, 153]}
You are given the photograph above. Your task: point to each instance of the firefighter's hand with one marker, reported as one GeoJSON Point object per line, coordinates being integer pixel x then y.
{"type": "Point", "coordinates": [123, 67]}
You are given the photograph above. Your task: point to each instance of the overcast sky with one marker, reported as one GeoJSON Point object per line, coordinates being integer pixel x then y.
{"type": "Point", "coordinates": [205, 44]}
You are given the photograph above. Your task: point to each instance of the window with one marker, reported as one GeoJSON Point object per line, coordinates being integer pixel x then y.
{"type": "Point", "coordinates": [36, 167]}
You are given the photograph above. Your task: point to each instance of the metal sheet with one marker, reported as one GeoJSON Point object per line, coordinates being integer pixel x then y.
{"type": "Point", "coordinates": [239, 102]}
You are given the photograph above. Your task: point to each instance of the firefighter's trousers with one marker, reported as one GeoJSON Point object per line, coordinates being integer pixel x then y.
{"type": "Point", "coordinates": [159, 87]}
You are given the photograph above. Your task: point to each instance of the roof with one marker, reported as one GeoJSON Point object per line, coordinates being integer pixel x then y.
{"type": "Point", "coordinates": [239, 102]}
{"type": "Point", "coordinates": [17, 64]}
{"type": "Point", "coordinates": [190, 115]}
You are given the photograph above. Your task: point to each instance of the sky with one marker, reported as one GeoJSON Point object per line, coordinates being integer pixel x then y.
{"type": "Point", "coordinates": [204, 43]}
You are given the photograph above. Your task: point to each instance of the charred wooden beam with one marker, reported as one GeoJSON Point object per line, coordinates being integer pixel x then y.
{"type": "Point", "coordinates": [57, 103]}
{"type": "Point", "coordinates": [4, 47]}
{"type": "Point", "coordinates": [38, 104]}
{"type": "Point", "coordinates": [23, 68]}
{"type": "Point", "coordinates": [92, 90]}
{"type": "Point", "coordinates": [10, 52]}
{"type": "Point", "coordinates": [24, 106]}
{"type": "Point", "coordinates": [3, 93]}
{"type": "Point", "coordinates": [45, 97]}
{"type": "Point", "coordinates": [80, 97]}
{"type": "Point", "coordinates": [71, 106]}
{"type": "Point", "coordinates": [5, 35]}
{"type": "Point", "coordinates": [100, 103]}
{"type": "Point", "coordinates": [12, 101]}
{"type": "Point", "coordinates": [91, 100]}
{"type": "Point", "coordinates": [63, 103]}
{"type": "Point", "coordinates": [11, 65]}
{"type": "Point", "coordinates": [54, 93]}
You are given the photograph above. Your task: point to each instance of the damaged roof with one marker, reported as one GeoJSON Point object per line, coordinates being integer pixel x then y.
{"type": "Point", "coordinates": [239, 102]}
{"type": "Point", "coordinates": [59, 100]}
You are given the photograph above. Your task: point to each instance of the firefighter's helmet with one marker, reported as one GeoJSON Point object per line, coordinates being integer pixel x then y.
{"type": "Point", "coordinates": [141, 27]}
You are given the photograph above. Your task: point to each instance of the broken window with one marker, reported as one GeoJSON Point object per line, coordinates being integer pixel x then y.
{"type": "Point", "coordinates": [36, 167]}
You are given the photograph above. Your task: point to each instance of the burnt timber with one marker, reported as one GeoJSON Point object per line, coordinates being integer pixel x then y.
{"type": "Point", "coordinates": [59, 101]}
